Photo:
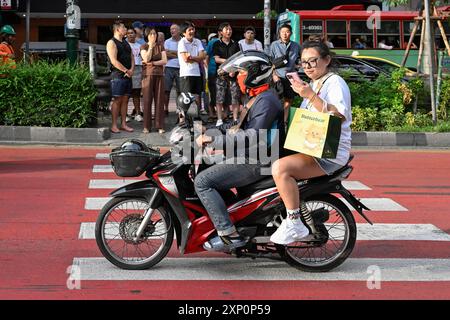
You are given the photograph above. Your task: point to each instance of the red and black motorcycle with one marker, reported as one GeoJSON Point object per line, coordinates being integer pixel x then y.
{"type": "Point", "coordinates": [136, 228]}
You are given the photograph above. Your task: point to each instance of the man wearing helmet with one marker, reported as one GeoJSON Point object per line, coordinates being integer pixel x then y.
{"type": "Point", "coordinates": [7, 38]}
{"type": "Point", "coordinates": [262, 112]}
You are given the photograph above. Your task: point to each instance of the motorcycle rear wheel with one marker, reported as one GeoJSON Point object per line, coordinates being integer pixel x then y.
{"type": "Point", "coordinates": [117, 224]}
{"type": "Point", "coordinates": [341, 228]}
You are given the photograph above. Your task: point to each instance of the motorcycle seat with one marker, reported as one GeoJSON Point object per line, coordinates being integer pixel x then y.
{"type": "Point", "coordinates": [268, 182]}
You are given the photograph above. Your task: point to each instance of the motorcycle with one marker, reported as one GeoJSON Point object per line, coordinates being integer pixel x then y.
{"type": "Point", "coordinates": [135, 229]}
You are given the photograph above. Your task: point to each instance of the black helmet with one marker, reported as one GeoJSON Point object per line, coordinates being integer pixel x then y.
{"type": "Point", "coordinates": [184, 101]}
{"type": "Point", "coordinates": [132, 158]}
{"type": "Point", "coordinates": [134, 145]}
{"type": "Point", "coordinates": [257, 64]}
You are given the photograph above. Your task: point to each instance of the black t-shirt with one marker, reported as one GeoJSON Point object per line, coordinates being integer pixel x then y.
{"type": "Point", "coordinates": [224, 50]}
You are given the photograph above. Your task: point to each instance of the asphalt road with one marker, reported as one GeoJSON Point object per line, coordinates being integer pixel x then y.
{"type": "Point", "coordinates": [50, 198]}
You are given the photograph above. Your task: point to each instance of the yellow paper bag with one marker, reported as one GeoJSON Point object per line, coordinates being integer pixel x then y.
{"type": "Point", "coordinates": [314, 133]}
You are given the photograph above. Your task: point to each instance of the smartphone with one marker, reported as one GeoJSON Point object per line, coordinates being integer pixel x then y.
{"type": "Point", "coordinates": [291, 76]}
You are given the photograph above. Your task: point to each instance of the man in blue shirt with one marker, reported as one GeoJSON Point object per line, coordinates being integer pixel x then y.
{"type": "Point", "coordinates": [291, 50]}
{"type": "Point", "coordinates": [212, 75]}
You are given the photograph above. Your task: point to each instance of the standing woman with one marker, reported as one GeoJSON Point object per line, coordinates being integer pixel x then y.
{"type": "Point", "coordinates": [154, 58]}
{"type": "Point", "coordinates": [327, 93]}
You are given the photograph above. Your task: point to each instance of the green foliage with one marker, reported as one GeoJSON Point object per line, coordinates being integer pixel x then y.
{"type": "Point", "coordinates": [444, 100]}
{"type": "Point", "coordinates": [45, 94]}
{"type": "Point", "coordinates": [382, 104]}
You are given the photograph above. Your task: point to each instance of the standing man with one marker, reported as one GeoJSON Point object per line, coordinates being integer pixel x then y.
{"type": "Point", "coordinates": [138, 27]}
{"type": "Point", "coordinates": [191, 55]}
{"type": "Point", "coordinates": [284, 47]}
{"type": "Point", "coordinates": [137, 75]}
{"type": "Point", "coordinates": [122, 65]}
{"type": "Point", "coordinates": [222, 50]}
{"type": "Point", "coordinates": [172, 69]}
{"type": "Point", "coordinates": [7, 38]}
{"type": "Point", "coordinates": [249, 42]}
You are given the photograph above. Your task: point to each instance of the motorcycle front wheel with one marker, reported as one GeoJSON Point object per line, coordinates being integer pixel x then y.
{"type": "Point", "coordinates": [116, 228]}
{"type": "Point", "coordinates": [340, 237]}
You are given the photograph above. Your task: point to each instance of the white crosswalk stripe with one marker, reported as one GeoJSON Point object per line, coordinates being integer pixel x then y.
{"type": "Point", "coordinates": [378, 231]}
{"type": "Point", "coordinates": [365, 232]}
{"type": "Point", "coordinates": [102, 168]}
{"type": "Point", "coordinates": [118, 183]}
{"type": "Point", "coordinates": [266, 270]}
{"type": "Point", "coordinates": [110, 183]}
{"type": "Point", "coordinates": [102, 156]}
{"type": "Point", "coordinates": [375, 204]}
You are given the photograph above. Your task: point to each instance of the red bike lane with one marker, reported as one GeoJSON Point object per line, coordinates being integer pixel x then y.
{"type": "Point", "coordinates": [43, 191]}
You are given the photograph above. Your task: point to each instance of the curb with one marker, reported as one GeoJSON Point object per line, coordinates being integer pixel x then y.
{"type": "Point", "coordinates": [401, 139]}
{"type": "Point", "coordinates": [53, 135]}
{"type": "Point", "coordinates": [102, 136]}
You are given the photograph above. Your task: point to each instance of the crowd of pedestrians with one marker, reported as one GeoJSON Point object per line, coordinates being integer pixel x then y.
{"type": "Point", "coordinates": [146, 67]}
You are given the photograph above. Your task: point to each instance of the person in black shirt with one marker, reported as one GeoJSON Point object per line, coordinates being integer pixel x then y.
{"type": "Point", "coordinates": [122, 61]}
{"type": "Point", "coordinates": [222, 50]}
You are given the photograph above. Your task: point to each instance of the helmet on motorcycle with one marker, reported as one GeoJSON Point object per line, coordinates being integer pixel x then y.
{"type": "Point", "coordinates": [132, 158]}
{"type": "Point", "coordinates": [134, 145]}
{"type": "Point", "coordinates": [184, 101]}
{"type": "Point", "coordinates": [257, 64]}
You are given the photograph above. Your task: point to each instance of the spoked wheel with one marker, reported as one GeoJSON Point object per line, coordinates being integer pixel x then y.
{"type": "Point", "coordinates": [116, 228]}
{"type": "Point", "coordinates": [338, 237]}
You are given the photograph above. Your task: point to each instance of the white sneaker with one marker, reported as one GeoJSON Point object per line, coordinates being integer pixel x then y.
{"type": "Point", "coordinates": [138, 118]}
{"type": "Point", "coordinates": [127, 119]}
{"type": "Point", "coordinates": [289, 231]}
{"type": "Point", "coordinates": [219, 123]}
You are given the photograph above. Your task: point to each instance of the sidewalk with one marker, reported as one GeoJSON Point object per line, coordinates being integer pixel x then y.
{"type": "Point", "coordinates": [100, 135]}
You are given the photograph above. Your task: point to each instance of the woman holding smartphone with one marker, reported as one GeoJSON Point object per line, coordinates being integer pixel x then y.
{"type": "Point", "coordinates": [327, 93]}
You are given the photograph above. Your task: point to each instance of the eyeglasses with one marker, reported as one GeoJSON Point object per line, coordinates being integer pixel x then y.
{"type": "Point", "coordinates": [311, 63]}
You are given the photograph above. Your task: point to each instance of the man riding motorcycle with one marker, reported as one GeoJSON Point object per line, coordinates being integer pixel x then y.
{"type": "Point", "coordinates": [263, 111]}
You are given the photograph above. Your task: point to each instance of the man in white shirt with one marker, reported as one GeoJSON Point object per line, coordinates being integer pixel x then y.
{"type": "Point", "coordinates": [172, 69]}
{"type": "Point", "coordinates": [249, 42]}
{"type": "Point", "coordinates": [191, 55]}
{"type": "Point", "coordinates": [382, 45]}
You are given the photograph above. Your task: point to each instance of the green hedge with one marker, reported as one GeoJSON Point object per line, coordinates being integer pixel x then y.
{"type": "Point", "coordinates": [46, 94]}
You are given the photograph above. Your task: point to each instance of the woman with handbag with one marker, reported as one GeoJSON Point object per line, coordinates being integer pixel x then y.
{"type": "Point", "coordinates": [327, 93]}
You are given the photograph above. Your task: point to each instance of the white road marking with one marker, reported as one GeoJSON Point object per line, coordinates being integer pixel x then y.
{"type": "Point", "coordinates": [117, 183]}
{"type": "Point", "coordinates": [375, 204]}
{"type": "Point", "coordinates": [102, 168]}
{"type": "Point", "coordinates": [379, 204]}
{"type": "Point", "coordinates": [110, 183]}
{"type": "Point", "coordinates": [266, 270]}
{"type": "Point", "coordinates": [355, 185]}
{"type": "Point", "coordinates": [365, 231]}
{"type": "Point", "coordinates": [102, 156]}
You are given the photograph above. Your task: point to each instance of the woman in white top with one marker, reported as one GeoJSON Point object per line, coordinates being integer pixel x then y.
{"type": "Point", "coordinates": [327, 93]}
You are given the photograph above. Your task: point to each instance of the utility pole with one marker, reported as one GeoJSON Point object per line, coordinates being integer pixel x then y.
{"type": "Point", "coordinates": [267, 26]}
{"type": "Point", "coordinates": [73, 25]}
{"type": "Point", "coordinates": [27, 32]}
{"type": "Point", "coordinates": [429, 45]}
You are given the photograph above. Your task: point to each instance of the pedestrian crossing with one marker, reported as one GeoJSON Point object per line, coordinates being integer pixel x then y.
{"type": "Point", "coordinates": [212, 268]}
{"type": "Point", "coordinates": [375, 204]}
